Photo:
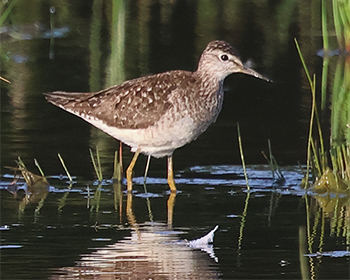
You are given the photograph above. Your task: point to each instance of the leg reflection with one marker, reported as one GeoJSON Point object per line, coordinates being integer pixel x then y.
{"type": "Point", "coordinates": [132, 219]}
{"type": "Point", "coordinates": [130, 215]}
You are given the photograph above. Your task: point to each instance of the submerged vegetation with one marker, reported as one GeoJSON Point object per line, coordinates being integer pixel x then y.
{"type": "Point", "coordinates": [37, 186]}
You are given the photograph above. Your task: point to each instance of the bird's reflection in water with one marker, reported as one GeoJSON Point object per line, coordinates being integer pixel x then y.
{"type": "Point", "coordinates": [153, 251]}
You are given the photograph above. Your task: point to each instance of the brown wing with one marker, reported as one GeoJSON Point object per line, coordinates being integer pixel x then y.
{"type": "Point", "coordinates": [133, 104]}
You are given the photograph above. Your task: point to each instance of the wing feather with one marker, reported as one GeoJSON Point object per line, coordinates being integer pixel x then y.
{"type": "Point", "coordinates": [134, 104]}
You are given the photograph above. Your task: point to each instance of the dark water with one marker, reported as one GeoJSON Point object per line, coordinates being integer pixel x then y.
{"type": "Point", "coordinates": [133, 237]}
{"type": "Point", "coordinates": [86, 230]}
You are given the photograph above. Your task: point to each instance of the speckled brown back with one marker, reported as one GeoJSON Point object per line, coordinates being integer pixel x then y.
{"type": "Point", "coordinates": [133, 104]}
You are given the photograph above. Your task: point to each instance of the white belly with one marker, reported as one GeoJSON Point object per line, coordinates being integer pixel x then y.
{"type": "Point", "coordinates": [159, 140]}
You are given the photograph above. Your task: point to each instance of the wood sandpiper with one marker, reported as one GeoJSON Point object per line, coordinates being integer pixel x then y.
{"type": "Point", "coordinates": [157, 114]}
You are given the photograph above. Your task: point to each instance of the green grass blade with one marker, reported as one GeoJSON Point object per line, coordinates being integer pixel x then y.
{"type": "Point", "coordinates": [7, 11]}
{"type": "Point", "coordinates": [99, 164]}
{"type": "Point", "coordinates": [117, 173]}
{"type": "Point", "coordinates": [242, 157]}
{"type": "Point", "coordinates": [64, 167]}
{"type": "Point", "coordinates": [20, 163]}
{"type": "Point", "coordinates": [324, 28]}
{"type": "Point", "coordinates": [39, 168]}
{"type": "Point", "coordinates": [97, 171]}
{"type": "Point", "coordinates": [304, 64]}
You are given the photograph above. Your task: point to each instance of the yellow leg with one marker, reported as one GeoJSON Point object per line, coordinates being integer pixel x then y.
{"type": "Point", "coordinates": [171, 203]}
{"type": "Point", "coordinates": [129, 170]}
{"type": "Point", "coordinates": [171, 181]}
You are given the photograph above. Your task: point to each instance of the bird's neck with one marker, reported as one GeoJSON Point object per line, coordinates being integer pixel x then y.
{"type": "Point", "coordinates": [207, 74]}
{"type": "Point", "coordinates": [206, 77]}
{"type": "Point", "coordinates": [210, 84]}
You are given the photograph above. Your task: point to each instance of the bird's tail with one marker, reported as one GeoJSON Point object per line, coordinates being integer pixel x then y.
{"type": "Point", "coordinates": [62, 98]}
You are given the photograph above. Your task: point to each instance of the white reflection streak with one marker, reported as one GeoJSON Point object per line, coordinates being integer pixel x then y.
{"type": "Point", "coordinates": [152, 251]}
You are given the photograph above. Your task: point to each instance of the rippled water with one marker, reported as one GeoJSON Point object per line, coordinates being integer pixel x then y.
{"type": "Point", "coordinates": [90, 230]}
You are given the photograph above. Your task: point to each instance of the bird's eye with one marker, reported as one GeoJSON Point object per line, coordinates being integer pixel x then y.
{"type": "Point", "coordinates": [224, 57]}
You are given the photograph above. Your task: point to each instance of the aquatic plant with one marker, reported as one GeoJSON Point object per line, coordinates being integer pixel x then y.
{"type": "Point", "coordinates": [275, 169]}
{"type": "Point", "coordinates": [330, 187]}
{"type": "Point", "coordinates": [242, 157]}
{"type": "Point", "coordinates": [320, 161]}
{"type": "Point", "coordinates": [118, 168]}
{"type": "Point", "coordinates": [97, 164]}
{"type": "Point", "coordinates": [65, 168]}
{"type": "Point", "coordinates": [37, 186]}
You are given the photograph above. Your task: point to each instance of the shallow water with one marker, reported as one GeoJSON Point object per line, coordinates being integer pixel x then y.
{"type": "Point", "coordinates": [91, 230]}
{"type": "Point", "coordinates": [55, 231]}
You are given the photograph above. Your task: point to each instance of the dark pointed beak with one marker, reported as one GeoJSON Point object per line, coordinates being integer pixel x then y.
{"type": "Point", "coordinates": [251, 72]}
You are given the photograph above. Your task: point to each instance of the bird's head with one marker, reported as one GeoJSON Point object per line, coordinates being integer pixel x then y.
{"type": "Point", "coordinates": [220, 59]}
